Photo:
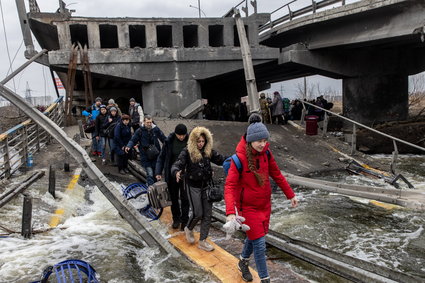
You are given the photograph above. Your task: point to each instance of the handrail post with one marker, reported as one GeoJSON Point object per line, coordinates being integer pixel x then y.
{"type": "Point", "coordinates": [37, 133]}
{"type": "Point", "coordinates": [25, 149]}
{"type": "Point", "coordinates": [303, 114]}
{"type": "Point", "coordinates": [6, 158]}
{"type": "Point", "coordinates": [289, 13]}
{"type": "Point", "coordinates": [394, 158]}
{"type": "Point", "coordinates": [314, 5]}
{"type": "Point", "coordinates": [354, 140]}
{"type": "Point", "coordinates": [254, 4]}
{"type": "Point", "coordinates": [325, 125]}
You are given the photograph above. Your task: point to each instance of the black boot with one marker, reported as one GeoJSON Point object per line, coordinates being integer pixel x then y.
{"type": "Point", "coordinates": [243, 267]}
{"type": "Point", "coordinates": [265, 280]}
{"type": "Point", "coordinates": [176, 224]}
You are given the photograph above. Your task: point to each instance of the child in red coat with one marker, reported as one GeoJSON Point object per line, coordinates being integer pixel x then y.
{"type": "Point", "coordinates": [249, 194]}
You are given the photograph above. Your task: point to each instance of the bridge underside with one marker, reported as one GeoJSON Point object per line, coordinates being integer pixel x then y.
{"type": "Point", "coordinates": [373, 46]}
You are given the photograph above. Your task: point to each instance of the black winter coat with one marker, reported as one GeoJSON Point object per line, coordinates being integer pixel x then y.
{"type": "Point", "coordinates": [99, 122]}
{"type": "Point", "coordinates": [115, 120]}
{"type": "Point", "coordinates": [145, 138]}
{"type": "Point", "coordinates": [197, 174]}
{"type": "Point", "coordinates": [164, 159]}
{"type": "Point", "coordinates": [122, 135]}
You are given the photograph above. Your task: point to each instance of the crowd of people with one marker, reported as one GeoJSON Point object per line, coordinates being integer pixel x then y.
{"type": "Point", "coordinates": [276, 110]}
{"type": "Point", "coordinates": [279, 110]}
{"type": "Point", "coordinates": [184, 161]}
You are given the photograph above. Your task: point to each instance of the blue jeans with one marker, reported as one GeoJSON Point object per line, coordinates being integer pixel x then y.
{"type": "Point", "coordinates": [95, 143]}
{"type": "Point", "coordinates": [149, 175]}
{"type": "Point", "coordinates": [258, 246]}
{"type": "Point", "coordinates": [102, 145]}
{"type": "Point", "coordinates": [111, 145]}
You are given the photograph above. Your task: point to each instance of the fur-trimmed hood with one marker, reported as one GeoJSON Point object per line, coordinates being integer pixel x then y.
{"type": "Point", "coordinates": [194, 153]}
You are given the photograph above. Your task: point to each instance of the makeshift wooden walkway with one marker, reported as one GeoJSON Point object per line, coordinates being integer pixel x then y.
{"type": "Point", "coordinates": [218, 262]}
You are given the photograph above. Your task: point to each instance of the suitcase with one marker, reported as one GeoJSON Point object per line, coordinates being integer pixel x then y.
{"type": "Point", "coordinates": [158, 195]}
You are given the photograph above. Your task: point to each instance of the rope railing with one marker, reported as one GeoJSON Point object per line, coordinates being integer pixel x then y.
{"type": "Point", "coordinates": [366, 127]}
{"type": "Point", "coordinates": [24, 139]}
{"type": "Point", "coordinates": [355, 124]}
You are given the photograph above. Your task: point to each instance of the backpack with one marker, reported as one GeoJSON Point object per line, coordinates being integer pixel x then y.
{"type": "Point", "coordinates": [228, 161]}
{"type": "Point", "coordinates": [109, 131]}
{"type": "Point", "coordinates": [236, 160]}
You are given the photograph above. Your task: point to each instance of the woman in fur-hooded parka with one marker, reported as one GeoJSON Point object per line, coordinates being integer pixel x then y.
{"type": "Point", "coordinates": [195, 163]}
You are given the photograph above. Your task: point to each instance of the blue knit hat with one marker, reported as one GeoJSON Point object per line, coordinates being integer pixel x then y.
{"type": "Point", "coordinates": [256, 132]}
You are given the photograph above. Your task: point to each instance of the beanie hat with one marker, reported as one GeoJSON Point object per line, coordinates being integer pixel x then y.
{"type": "Point", "coordinates": [113, 109]}
{"type": "Point", "coordinates": [254, 118]}
{"type": "Point", "coordinates": [111, 101]}
{"type": "Point", "coordinates": [132, 100]}
{"type": "Point", "coordinates": [98, 99]}
{"type": "Point", "coordinates": [256, 132]}
{"type": "Point", "coordinates": [125, 117]}
{"type": "Point", "coordinates": [102, 106]}
{"type": "Point", "coordinates": [180, 129]}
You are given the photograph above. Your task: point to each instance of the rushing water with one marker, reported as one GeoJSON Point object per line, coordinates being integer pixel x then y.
{"type": "Point", "coordinates": [352, 226]}
{"type": "Point", "coordinates": [93, 232]}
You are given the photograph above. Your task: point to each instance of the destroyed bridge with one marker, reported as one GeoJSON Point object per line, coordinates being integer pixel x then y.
{"type": "Point", "coordinates": [167, 64]}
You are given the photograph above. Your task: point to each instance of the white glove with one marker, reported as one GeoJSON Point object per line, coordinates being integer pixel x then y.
{"type": "Point", "coordinates": [235, 224]}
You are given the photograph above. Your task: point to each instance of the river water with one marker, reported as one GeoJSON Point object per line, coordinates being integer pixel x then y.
{"type": "Point", "coordinates": [94, 232]}
{"type": "Point", "coordinates": [391, 238]}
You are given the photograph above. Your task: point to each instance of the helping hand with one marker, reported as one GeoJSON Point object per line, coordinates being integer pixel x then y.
{"type": "Point", "coordinates": [233, 224]}
{"type": "Point", "coordinates": [178, 176]}
{"type": "Point", "coordinates": [294, 202]}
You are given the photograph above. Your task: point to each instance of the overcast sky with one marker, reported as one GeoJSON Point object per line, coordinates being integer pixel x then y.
{"type": "Point", "coordinates": [38, 77]}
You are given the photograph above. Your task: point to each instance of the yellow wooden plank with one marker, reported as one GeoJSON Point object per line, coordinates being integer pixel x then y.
{"type": "Point", "coordinates": [60, 211]}
{"type": "Point", "coordinates": [387, 206]}
{"type": "Point", "coordinates": [219, 262]}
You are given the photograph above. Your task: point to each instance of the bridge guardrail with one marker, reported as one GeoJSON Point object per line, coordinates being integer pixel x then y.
{"type": "Point", "coordinates": [26, 138]}
{"type": "Point", "coordinates": [316, 5]}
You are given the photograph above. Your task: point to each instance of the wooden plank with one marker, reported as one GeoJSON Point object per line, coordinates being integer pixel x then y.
{"type": "Point", "coordinates": [219, 262]}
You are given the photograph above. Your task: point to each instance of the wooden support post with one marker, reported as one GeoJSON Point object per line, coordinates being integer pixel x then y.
{"type": "Point", "coordinates": [52, 181]}
{"type": "Point", "coordinates": [27, 217]}
{"type": "Point", "coordinates": [354, 140]}
{"type": "Point", "coordinates": [66, 163]}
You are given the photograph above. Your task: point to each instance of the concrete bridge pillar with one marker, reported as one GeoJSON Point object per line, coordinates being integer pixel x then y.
{"type": "Point", "coordinates": [374, 99]}
{"type": "Point", "coordinates": [166, 98]}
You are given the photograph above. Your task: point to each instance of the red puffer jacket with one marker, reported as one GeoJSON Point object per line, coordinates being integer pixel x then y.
{"type": "Point", "coordinates": [243, 191]}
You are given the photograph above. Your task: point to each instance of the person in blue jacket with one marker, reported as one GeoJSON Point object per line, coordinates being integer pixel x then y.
{"type": "Point", "coordinates": [91, 113]}
{"type": "Point", "coordinates": [148, 137]}
{"type": "Point", "coordinates": [122, 135]}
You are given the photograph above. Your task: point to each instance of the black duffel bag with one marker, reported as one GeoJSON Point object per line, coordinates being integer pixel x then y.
{"type": "Point", "coordinates": [152, 152]}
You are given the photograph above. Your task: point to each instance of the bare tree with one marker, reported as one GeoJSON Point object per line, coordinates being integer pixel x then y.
{"type": "Point", "coordinates": [305, 90]}
{"type": "Point", "coordinates": [417, 94]}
